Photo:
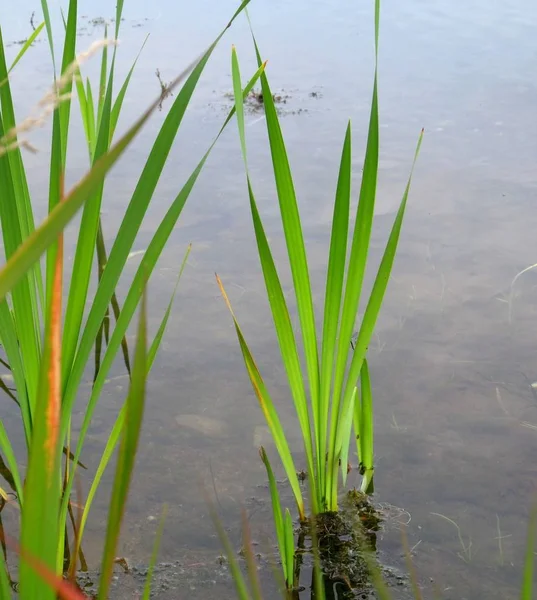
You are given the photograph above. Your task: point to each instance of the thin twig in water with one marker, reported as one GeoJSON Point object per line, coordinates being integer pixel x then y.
{"type": "Point", "coordinates": [467, 552]}
{"type": "Point", "coordinates": [214, 486]}
{"type": "Point", "coordinates": [512, 289]}
{"type": "Point", "coordinates": [410, 566]}
{"type": "Point", "coordinates": [500, 537]}
{"type": "Point", "coordinates": [165, 90]}
{"type": "Point", "coordinates": [500, 401]}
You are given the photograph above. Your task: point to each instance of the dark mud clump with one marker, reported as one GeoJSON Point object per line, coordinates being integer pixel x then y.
{"type": "Point", "coordinates": [343, 539]}
{"type": "Point", "coordinates": [347, 543]}
{"type": "Point", "coordinates": [255, 99]}
{"type": "Point", "coordinates": [287, 102]}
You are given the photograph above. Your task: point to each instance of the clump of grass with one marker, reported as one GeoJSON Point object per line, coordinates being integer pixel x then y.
{"type": "Point", "coordinates": [47, 347]}
{"type": "Point", "coordinates": [327, 397]}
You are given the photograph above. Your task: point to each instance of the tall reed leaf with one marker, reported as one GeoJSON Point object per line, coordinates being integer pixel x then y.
{"type": "Point", "coordinates": [281, 318]}
{"type": "Point", "coordinates": [127, 452]}
{"type": "Point", "coordinates": [283, 525]}
{"type": "Point", "coordinates": [267, 406]}
{"type": "Point", "coordinates": [355, 276]}
{"type": "Point", "coordinates": [363, 429]}
{"type": "Point", "coordinates": [39, 530]}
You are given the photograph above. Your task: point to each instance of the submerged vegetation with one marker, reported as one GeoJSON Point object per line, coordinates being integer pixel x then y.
{"type": "Point", "coordinates": [47, 347]}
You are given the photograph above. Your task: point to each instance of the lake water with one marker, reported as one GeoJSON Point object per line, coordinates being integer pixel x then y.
{"type": "Point", "coordinates": [455, 349]}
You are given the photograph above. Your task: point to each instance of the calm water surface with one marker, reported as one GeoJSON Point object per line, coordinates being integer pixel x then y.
{"type": "Point", "coordinates": [454, 353]}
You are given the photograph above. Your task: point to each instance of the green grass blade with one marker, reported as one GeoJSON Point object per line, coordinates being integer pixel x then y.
{"type": "Point", "coordinates": [68, 57]}
{"type": "Point", "coordinates": [10, 343]}
{"type": "Point", "coordinates": [103, 90]}
{"type": "Point", "coordinates": [119, 14]}
{"type": "Point", "coordinates": [118, 103]}
{"type": "Point", "coordinates": [127, 453]}
{"type": "Point", "coordinates": [526, 592]}
{"type": "Point", "coordinates": [367, 466]}
{"type": "Point", "coordinates": [91, 116]}
{"type": "Point", "coordinates": [63, 590]}
{"type": "Point", "coordinates": [107, 454]}
{"type": "Point", "coordinates": [278, 305]}
{"type": "Point", "coordinates": [116, 309]}
{"type": "Point", "coordinates": [46, 16]}
{"type": "Point", "coordinates": [357, 424]}
{"type": "Point", "coordinates": [355, 274]}
{"type": "Point", "coordinates": [236, 573]}
{"type": "Point", "coordinates": [156, 546]}
{"type": "Point", "coordinates": [162, 327]}
{"type": "Point", "coordinates": [239, 103]}
{"type": "Point", "coordinates": [17, 223]}
{"type": "Point", "coordinates": [347, 427]}
{"type": "Point", "coordinates": [7, 451]}
{"type": "Point", "coordinates": [295, 242]}
{"type": "Point", "coordinates": [277, 514]}
{"type": "Point", "coordinates": [20, 184]}
{"type": "Point", "coordinates": [334, 290]}
{"type": "Point", "coordinates": [85, 246]}
{"type": "Point", "coordinates": [26, 45]}
{"type": "Point", "coordinates": [286, 339]}
{"type": "Point", "coordinates": [375, 300]}
{"type": "Point", "coordinates": [289, 549]}
{"type": "Point", "coordinates": [269, 411]}
{"type": "Point", "coordinates": [251, 562]}
{"type": "Point", "coordinates": [55, 194]}
{"type": "Point", "coordinates": [24, 208]}
{"type": "Point", "coordinates": [40, 527]}
{"type": "Point", "coordinates": [83, 104]}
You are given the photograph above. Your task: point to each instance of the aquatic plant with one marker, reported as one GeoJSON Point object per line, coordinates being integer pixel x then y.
{"type": "Point", "coordinates": [283, 523]}
{"type": "Point", "coordinates": [47, 355]}
{"type": "Point", "coordinates": [327, 397]}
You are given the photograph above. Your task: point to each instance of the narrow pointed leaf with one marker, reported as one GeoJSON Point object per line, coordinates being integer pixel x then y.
{"type": "Point", "coordinates": [127, 453]}
{"type": "Point", "coordinates": [156, 546]}
{"type": "Point", "coordinates": [289, 549]}
{"type": "Point", "coordinates": [375, 299]}
{"type": "Point", "coordinates": [269, 411]}
{"type": "Point", "coordinates": [334, 289]}
{"type": "Point", "coordinates": [40, 525]}
{"type": "Point", "coordinates": [277, 514]}
{"type": "Point", "coordinates": [280, 312]}
{"type": "Point", "coordinates": [295, 243]}
{"type": "Point", "coordinates": [26, 45]}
